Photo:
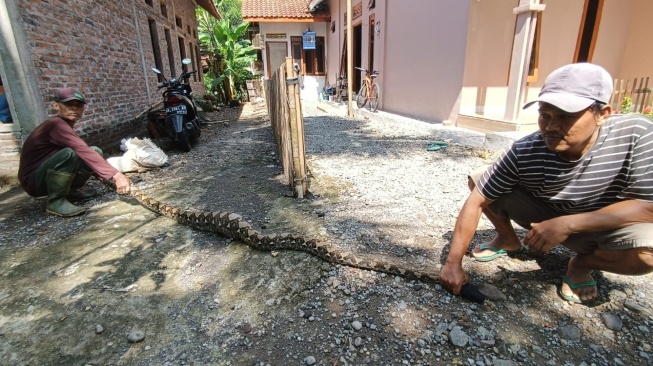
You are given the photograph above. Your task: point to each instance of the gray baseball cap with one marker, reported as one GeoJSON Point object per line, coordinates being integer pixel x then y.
{"type": "Point", "coordinates": [575, 87]}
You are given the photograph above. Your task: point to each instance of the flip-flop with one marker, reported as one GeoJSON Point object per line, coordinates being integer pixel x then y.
{"type": "Point", "coordinates": [497, 253]}
{"type": "Point", "coordinates": [574, 298]}
{"type": "Point", "coordinates": [437, 145]}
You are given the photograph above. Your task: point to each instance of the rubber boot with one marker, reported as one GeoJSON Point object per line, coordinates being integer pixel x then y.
{"type": "Point", "coordinates": [58, 184]}
{"type": "Point", "coordinates": [76, 192]}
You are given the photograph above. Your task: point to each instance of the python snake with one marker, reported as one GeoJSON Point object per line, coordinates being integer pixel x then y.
{"type": "Point", "coordinates": [233, 226]}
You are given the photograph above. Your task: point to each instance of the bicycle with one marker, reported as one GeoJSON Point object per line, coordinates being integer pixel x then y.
{"type": "Point", "coordinates": [369, 90]}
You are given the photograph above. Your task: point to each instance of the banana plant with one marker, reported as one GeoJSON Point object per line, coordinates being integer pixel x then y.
{"type": "Point", "coordinates": [235, 52]}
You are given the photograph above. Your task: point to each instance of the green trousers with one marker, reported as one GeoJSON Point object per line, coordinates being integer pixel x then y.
{"type": "Point", "coordinates": [66, 161]}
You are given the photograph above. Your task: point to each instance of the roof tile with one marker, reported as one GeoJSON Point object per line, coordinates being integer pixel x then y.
{"type": "Point", "coordinates": [257, 9]}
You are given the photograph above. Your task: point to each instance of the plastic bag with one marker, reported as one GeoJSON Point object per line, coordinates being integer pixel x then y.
{"type": "Point", "coordinates": [140, 155]}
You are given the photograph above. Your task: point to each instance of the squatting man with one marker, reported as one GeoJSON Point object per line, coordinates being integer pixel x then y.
{"type": "Point", "coordinates": [55, 162]}
{"type": "Point", "coordinates": [584, 180]}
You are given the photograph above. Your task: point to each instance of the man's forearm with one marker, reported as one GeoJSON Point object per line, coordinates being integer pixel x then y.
{"type": "Point", "coordinates": [464, 230]}
{"type": "Point", "coordinates": [612, 217]}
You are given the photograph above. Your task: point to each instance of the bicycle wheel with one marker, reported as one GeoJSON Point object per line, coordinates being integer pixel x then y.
{"type": "Point", "coordinates": [374, 98]}
{"type": "Point", "coordinates": [361, 98]}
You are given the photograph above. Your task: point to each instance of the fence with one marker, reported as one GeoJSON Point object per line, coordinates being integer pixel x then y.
{"type": "Point", "coordinates": [254, 89]}
{"type": "Point", "coordinates": [637, 90]}
{"type": "Point", "coordinates": [285, 111]}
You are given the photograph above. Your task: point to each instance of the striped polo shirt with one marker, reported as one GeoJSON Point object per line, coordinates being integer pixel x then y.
{"type": "Point", "coordinates": [618, 167]}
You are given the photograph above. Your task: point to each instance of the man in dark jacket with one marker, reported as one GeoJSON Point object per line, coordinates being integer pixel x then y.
{"type": "Point", "coordinates": [56, 162]}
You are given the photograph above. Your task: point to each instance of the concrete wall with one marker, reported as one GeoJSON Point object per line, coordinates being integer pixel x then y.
{"type": "Point", "coordinates": [334, 40]}
{"type": "Point", "coordinates": [635, 18]}
{"type": "Point", "coordinates": [419, 51]}
{"type": "Point", "coordinates": [424, 56]}
{"type": "Point", "coordinates": [620, 47]}
{"type": "Point", "coordinates": [104, 49]}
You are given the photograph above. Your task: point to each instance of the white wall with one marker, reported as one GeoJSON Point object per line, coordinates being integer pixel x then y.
{"type": "Point", "coordinates": [424, 56]}
{"type": "Point", "coordinates": [419, 52]}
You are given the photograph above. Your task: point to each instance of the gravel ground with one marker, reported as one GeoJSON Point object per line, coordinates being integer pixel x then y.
{"type": "Point", "coordinates": [123, 286]}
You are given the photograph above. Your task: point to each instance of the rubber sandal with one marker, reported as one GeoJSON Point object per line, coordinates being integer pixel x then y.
{"type": "Point", "coordinates": [437, 145]}
{"type": "Point", "coordinates": [497, 253]}
{"type": "Point", "coordinates": [574, 298]}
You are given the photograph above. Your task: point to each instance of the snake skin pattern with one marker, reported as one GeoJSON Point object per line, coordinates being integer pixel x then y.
{"type": "Point", "coordinates": [233, 226]}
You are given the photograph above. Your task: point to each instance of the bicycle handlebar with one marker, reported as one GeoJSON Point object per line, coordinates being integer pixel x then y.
{"type": "Point", "coordinates": [374, 72]}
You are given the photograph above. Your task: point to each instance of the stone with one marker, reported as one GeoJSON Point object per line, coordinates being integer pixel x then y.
{"type": "Point", "coordinates": [612, 321]}
{"type": "Point", "coordinates": [356, 325]}
{"type": "Point", "coordinates": [498, 362]}
{"type": "Point", "coordinates": [638, 308]}
{"type": "Point", "coordinates": [458, 337]}
{"type": "Point", "coordinates": [570, 332]}
{"type": "Point", "coordinates": [136, 336]}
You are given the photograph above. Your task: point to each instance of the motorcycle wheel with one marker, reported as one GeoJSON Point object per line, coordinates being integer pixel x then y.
{"type": "Point", "coordinates": [183, 140]}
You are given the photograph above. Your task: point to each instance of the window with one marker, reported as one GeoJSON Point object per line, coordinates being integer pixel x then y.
{"type": "Point", "coordinates": [171, 53]}
{"type": "Point", "coordinates": [156, 50]}
{"type": "Point", "coordinates": [182, 53]}
{"type": "Point", "coordinates": [190, 51]}
{"type": "Point", "coordinates": [533, 66]}
{"type": "Point", "coordinates": [311, 61]}
{"type": "Point", "coordinates": [178, 22]}
{"type": "Point", "coordinates": [149, 2]}
{"type": "Point", "coordinates": [164, 10]}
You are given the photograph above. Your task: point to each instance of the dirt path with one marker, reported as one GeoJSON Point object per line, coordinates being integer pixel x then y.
{"type": "Point", "coordinates": [74, 291]}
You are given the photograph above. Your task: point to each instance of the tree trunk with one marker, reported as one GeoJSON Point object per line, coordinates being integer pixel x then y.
{"type": "Point", "coordinates": [226, 85]}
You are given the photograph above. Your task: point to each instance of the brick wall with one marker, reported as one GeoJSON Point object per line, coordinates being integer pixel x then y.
{"type": "Point", "coordinates": [94, 46]}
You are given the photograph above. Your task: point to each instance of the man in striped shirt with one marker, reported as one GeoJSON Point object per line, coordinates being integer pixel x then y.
{"type": "Point", "coordinates": [584, 180]}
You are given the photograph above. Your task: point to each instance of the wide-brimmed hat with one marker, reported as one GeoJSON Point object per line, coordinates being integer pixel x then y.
{"type": "Point", "coordinates": [67, 94]}
{"type": "Point", "coordinates": [575, 87]}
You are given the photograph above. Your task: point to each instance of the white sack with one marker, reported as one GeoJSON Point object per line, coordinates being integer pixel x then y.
{"type": "Point", "coordinates": [140, 155]}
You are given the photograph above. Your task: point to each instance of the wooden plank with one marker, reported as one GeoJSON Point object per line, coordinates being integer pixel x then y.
{"type": "Point", "coordinates": [614, 98]}
{"type": "Point", "coordinates": [301, 143]}
{"type": "Point", "coordinates": [643, 92]}
{"type": "Point", "coordinates": [632, 90]}
{"type": "Point", "coordinates": [637, 104]}
{"type": "Point", "coordinates": [284, 120]}
{"type": "Point", "coordinates": [284, 108]}
{"type": "Point", "coordinates": [624, 92]}
{"type": "Point", "coordinates": [293, 128]}
{"type": "Point", "coordinates": [620, 90]}
{"type": "Point", "coordinates": [647, 94]}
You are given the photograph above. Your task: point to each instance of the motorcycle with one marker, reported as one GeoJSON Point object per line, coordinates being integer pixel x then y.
{"type": "Point", "coordinates": [181, 123]}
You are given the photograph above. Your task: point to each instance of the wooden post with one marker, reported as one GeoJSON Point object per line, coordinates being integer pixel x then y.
{"type": "Point", "coordinates": [296, 131]}
{"type": "Point", "coordinates": [615, 94]}
{"type": "Point", "coordinates": [647, 94]}
{"type": "Point", "coordinates": [638, 103]}
{"type": "Point", "coordinates": [350, 61]}
{"type": "Point", "coordinates": [625, 93]}
{"type": "Point", "coordinates": [301, 181]}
